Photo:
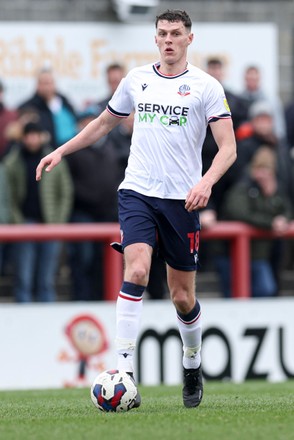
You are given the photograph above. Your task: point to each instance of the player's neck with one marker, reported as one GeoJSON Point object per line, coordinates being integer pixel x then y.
{"type": "Point", "coordinates": [172, 69]}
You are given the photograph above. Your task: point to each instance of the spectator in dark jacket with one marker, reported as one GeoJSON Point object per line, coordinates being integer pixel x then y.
{"type": "Point", "coordinates": [262, 134]}
{"type": "Point", "coordinates": [239, 108]}
{"type": "Point", "coordinates": [258, 200]}
{"type": "Point", "coordinates": [96, 175]}
{"type": "Point", "coordinates": [56, 114]}
{"type": "Point", "coordinates": [36, 262]}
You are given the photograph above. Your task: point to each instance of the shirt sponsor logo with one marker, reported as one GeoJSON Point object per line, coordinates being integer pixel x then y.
{"type": "Point", "coordinates": [167, 115]}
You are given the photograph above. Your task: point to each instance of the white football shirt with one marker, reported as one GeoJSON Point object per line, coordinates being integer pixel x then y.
{"type": "Point", "coordinates": [171, 117]}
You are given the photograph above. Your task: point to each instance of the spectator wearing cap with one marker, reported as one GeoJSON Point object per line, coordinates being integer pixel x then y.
{"type": "Point", "coordinates": [7, 117]}
{"type": "Point", "coordinates": [56, 114]}
{"type": "Point", "coordinates": [47, 202]}
{"type": "Point", "coordinates": [258, 200]}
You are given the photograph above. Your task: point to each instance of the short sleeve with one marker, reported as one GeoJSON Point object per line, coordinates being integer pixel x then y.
{"type": "Point", "coordinates": [121, 104]}
{"type": "Point", "coordinates": [216, 105]}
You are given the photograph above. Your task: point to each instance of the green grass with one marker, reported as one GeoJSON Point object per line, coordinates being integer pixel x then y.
{"type": "Point", "coordinates": [252, 410]}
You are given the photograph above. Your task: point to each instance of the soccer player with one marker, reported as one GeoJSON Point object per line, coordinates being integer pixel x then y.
{"type": "Point", "coordinates": [163, 188]}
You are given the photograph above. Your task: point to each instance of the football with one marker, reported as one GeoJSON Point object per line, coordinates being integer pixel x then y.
{"type": "Point", "coordinates": [113, 391]}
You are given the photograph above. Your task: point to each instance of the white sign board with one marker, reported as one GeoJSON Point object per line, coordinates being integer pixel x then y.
{"type": "Point", "coordinates": [58, 345]}
{"type": "Point", "coordinates": [80, 52]}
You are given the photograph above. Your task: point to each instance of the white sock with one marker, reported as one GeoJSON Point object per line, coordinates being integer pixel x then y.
{"type": "Point", "coordinates": [190, 328]}
{"type": "Point", "coordinates": [128, 315]}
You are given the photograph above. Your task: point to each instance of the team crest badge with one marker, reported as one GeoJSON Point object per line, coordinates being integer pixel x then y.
{"type": "Point", "coordinates": [184, 90]}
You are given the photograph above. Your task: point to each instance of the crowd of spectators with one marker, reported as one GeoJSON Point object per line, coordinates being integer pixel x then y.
{"type": "Point", "coordinates": [258, 189]}
{"type": "Point", "coordinates": [83, 190]}
{"type": "Point", "coordinates": [252, 188]}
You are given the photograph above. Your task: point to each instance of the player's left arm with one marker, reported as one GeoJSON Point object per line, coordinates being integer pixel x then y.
{"type": "Point", "coordinates": [223, 134]}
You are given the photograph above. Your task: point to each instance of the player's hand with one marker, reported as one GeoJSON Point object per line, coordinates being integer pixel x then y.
{"type": "Point", "coordinates": [48, 163]}
{"type": "Point", "coordinates": [197, 197]}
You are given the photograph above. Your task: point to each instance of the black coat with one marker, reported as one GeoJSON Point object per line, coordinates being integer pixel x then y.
{"type": "Point", "coordinates": [38, 104]}
{"type": "Point", "coordinates": [96, 176]}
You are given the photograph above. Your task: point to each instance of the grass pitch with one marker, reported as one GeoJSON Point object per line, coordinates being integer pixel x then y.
{"type": "Point", "coordinates": [252, 410]}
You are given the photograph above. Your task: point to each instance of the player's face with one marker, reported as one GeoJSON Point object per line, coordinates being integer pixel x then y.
{"type": "Point", "coordinates": [172, 39]}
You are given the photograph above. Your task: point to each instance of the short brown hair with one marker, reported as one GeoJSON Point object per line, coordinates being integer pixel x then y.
{"type": "Point", "coordinates": [173, 15]}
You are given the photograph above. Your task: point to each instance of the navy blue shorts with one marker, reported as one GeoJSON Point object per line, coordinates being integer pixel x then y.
{"type": "Point", "coordinates": [164, 224]}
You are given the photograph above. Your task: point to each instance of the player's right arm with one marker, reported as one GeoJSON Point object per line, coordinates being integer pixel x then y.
{"type": "Point", "coordinates": [94, 131]}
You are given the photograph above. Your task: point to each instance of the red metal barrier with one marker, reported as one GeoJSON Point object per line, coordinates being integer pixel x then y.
{"type": "Point", "coordinates": [239, 234]}
{"type": "Point", "coordinates": [105, 232]}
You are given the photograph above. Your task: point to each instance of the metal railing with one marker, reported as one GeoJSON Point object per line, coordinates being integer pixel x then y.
{"type": "Point", "coordinates": [239, 235]}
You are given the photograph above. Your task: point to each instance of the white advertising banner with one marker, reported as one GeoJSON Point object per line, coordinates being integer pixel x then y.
{"type": "Point", "coordinates": [68, 344]}
{"type": "Point", "coordinates": [79, 53]}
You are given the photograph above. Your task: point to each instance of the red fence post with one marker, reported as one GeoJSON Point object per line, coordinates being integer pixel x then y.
{"type": "Point", "coordinates": [241, 273]}
{"type": "Point", "coordinates": [113, 272]}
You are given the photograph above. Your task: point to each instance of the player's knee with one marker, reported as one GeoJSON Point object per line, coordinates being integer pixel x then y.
{"type": "Point", "coordinates": [139, 275]}
{"type": "Point", "coordinates": [182, 301]}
